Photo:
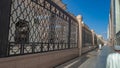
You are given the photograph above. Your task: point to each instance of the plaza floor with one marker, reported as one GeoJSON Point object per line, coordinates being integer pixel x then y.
{"type": "Point", "coordinates": [93, 59]}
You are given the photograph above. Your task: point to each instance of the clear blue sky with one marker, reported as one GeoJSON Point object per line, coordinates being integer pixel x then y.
{"type": "Point", "coordinates": [95, 13]}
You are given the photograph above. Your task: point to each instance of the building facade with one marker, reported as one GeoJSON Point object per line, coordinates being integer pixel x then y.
{"type": "Point", "coordinates": [114, 23]}
{"type": "Point", "coordinates": [100, 40]}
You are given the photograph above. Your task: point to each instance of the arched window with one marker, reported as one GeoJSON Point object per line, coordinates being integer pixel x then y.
{"type": "Point", "coordinates": [22, 31]}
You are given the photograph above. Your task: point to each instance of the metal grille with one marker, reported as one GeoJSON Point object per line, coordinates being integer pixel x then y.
{"type": "Point", "coordinates": [86, 37]}
{"type": "Point", "coordinates": [74, 34]}
{"type": "Point", "coordinates": [40, 26]}
{"type": "Point", "coordinates": [95, 39]}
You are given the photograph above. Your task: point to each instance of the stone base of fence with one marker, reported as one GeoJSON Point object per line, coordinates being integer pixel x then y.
{"type": "Point", "coordinates": [40, 60]}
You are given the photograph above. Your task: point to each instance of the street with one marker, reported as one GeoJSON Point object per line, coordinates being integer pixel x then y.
{"type": "Point", "coordinates": [93, 59]}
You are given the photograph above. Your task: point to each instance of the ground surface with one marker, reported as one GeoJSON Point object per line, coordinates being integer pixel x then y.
{"type": "Point", "coordinates": [93, 59]}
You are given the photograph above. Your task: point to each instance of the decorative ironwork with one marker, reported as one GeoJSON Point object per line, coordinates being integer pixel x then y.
{"type": "Point", "coordinates": [86, 37]}
{"type": "Point", "coordinates": [95, 39]}
{"type": "Point", "coordinates": [39, 26]}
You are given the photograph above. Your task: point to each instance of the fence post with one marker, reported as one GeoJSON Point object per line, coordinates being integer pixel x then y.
{"type": "Point", "coordinates": [79, 19]}
{"type": "Point", "coordinates": [5, 6]}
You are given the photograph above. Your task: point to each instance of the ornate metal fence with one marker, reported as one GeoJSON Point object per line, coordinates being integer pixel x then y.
{"type": "Point", "coordinates": [38, 26]}
{"type": "Point", "coordinates": [86, 37]}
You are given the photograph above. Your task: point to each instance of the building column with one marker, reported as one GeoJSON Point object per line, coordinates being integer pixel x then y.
{"type": "Point", "coordinates": [5, 8]}
{"type": "Point", "coordinates": [93, 37]}
{"type": "Point", "coordinates": [79, 19]}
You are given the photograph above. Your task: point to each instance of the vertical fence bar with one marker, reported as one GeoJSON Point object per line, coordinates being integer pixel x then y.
{"type": "Point", "coordinates": [5, 7]}
{"type": "Point", "coordinates": [69, 32]}
{"type": "Point", "coordinates": [77, 36]}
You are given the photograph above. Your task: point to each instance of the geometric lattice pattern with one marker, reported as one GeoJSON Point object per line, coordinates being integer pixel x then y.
{"type": "Point", "coordinates": [40, 26]}
{"type": "Point", "coordinates": [86, 37]}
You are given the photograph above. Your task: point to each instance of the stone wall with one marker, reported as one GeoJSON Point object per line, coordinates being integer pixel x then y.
{"type": "Point", "coordinates": [40, 60]}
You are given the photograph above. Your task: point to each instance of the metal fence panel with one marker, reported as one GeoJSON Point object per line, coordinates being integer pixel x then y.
{"type": "Point", "coordinates": [39, 26]}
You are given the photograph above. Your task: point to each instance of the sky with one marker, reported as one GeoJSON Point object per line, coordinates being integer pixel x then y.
{"type": "Point", "coordinates": [95, 13]}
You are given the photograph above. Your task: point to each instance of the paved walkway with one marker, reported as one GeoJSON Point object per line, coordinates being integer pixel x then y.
{"type": "Point", "coordinates": [91, 62]}
{"type": "Point", "coordinates": [102, 56]}
{"type": "Point", "coordinates": [93, 59]}
{"type": "Point", "coordinates": [99, 59]}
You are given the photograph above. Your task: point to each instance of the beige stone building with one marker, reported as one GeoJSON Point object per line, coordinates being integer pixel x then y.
{"type": "Point", "coordinates": [100, 40]}
{"type": "Point", "coordinates": [59, 3]}
{"type": "Point", "coordinates": [114, 23]}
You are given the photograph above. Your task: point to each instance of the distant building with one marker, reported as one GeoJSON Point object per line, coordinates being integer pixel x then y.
{"type": "Point", "coordinates": [100, 39]}
{"type": "Point", "coordinates": [114, 22]}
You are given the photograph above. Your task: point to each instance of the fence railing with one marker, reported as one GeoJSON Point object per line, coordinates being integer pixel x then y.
{"type": "Point", "coordinates": [35, 26]}
{"type": "Point", "coordinates": [87, 39]}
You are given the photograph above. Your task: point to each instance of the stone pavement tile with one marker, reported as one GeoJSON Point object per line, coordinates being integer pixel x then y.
{"type": "Point", "coordinates": [81, 61]}
{"type": "Point", "coordinates": [93, 59]}
{"type": "Point", "coordinates": [75, 63]}
{"type": "Point", "coordinates": [90, 63]}
{"type": "Point", "coordinates": [67, 63]}
{"type": "Point", "coordinates": [102, 57]}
